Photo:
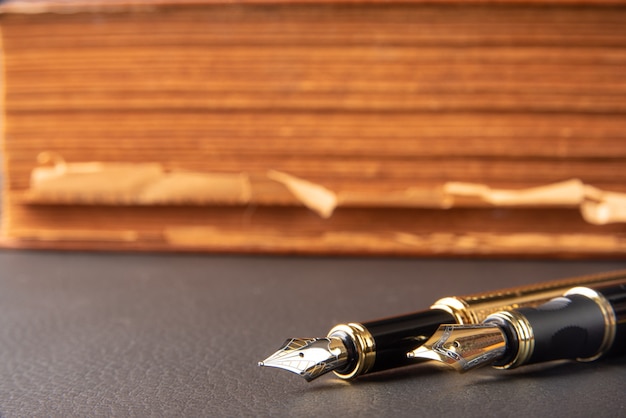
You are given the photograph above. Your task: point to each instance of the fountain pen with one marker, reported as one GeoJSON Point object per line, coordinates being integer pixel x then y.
{"type": "Point", "coordinates": [354, 349]}
{"type": "Point", "coordinates": [584, 324]}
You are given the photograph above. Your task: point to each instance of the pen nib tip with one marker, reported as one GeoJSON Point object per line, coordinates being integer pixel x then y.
{"type": "Point", "coordinates": [309, 357]}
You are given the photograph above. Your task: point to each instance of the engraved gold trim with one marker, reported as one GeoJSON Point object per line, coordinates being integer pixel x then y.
{"type": "Point", "coordinates": [610, 321]}
{"type": "Point", "coordinates": [525, 337]}
{"type": "Point", "coordinates": [473, 309]}
{"type": "Point", "coordinates": [365, 348]}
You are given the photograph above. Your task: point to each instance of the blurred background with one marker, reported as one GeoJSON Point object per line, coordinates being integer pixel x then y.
{"type": "Point", "coordinates": [406, 129]}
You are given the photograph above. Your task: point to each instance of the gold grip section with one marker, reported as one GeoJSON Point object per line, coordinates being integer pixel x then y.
{"type": "Point", "coordinates": [525, 337]}
{"type": "Point", "coordinates": [364, 345]}
{"type": "Point", "coordinates": [474, 309]}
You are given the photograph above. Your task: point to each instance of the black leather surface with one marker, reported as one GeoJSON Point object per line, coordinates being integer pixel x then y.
{"type": "Point", "coordinates": [180, 335]}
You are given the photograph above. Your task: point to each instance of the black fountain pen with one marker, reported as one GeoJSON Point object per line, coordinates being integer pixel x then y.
{"type": "Point", "coordinates": [584, 324]}
{"type": "Point", "coordinates": [354, 349]}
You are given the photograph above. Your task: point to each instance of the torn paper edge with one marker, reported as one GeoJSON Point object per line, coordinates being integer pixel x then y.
{"type": "Point", "coordinates": [597, 207]}
{"type": "Point", "coordinates": [312, 195]}
{"type": "Point", "coordinates": [565, 193]}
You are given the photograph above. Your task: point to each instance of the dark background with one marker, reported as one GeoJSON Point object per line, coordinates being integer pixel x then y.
{"type": "Point", "coordinates": [91, 334]}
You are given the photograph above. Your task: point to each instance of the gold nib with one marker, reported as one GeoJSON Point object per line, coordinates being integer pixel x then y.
{"type": "Point", "coordinates": [309, 357]}
{"type": "Point", "coordinates": [463, 347]}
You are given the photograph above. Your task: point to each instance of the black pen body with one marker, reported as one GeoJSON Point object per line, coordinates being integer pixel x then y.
{"type": "Point", "coordinates": [395, 336]}
{"type": "Point", "coordinates": [584, 324]}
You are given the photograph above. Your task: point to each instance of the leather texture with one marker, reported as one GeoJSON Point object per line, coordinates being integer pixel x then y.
{"type": "Point", "coordinates": [87, 334]}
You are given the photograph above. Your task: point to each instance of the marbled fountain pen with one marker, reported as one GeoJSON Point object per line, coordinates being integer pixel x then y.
{"type": "Point", "coordinates": [584, 324]}
{"type": "Point", "coordinates": [354, 349]}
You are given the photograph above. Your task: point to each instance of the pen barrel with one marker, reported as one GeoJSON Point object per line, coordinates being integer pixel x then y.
{"type": "Point", "coordinates": [382, 344]}
{"type": "Point", "coordinates": [394, 337]}
{"type": "Point", "coordinates": [584, 324]}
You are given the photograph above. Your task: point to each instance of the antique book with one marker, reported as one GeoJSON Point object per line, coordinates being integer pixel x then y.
{"type": "Point", "coordinates": [327, 127]}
